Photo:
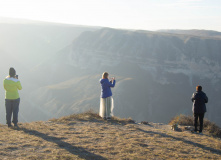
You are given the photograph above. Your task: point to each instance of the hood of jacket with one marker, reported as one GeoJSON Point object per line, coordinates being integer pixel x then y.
{"type": "Point", "coordinates": [103, 80]}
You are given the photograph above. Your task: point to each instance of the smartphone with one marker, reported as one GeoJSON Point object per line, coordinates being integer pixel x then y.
{"type": "Point", "coordinates": [16, 76]}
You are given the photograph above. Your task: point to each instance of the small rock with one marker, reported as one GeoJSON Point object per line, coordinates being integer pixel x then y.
{"type": "Point", "coordinates": [189, 128]}
{"type": "Point", "coordinates": [144, 122]}
{"type": "Point", "coordinates": [174, 127]}
{"type": "Point", "coordinates": [131, 121]}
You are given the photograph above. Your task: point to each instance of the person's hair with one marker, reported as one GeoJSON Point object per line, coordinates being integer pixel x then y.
{"type": "Point", "coordinates": [105, 75]}
{"type": "Point", "coordinates": [12, 72]}
{"type": "Point", "coordinates": [199, 88]}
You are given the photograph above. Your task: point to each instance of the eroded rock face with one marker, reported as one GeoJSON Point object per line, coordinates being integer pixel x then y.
{"type": "Point", "coordinates": [156, 75]}
{"type": "Point", "coordinates": [164, 70]}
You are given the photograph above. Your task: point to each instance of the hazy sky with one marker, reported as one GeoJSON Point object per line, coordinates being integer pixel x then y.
{"type": "Point", "coordinates": [132, 14]}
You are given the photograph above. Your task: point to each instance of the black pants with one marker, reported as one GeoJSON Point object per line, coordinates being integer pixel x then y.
{"type": "Point", "coordinates": [199, 116]}
{"type": "Point", "coordinates": [12, 106]}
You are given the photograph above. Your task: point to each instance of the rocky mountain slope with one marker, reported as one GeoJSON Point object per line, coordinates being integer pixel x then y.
{"type": "Point", "coordinates": [25, 44]}
{"type": "Point", "coordinates": [156, 74]}
{"type": "Point", "coordinates": [87, 136]}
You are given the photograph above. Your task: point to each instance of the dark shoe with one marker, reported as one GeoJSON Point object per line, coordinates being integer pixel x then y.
{"type": "Point", "coordinates": [104, 118]}
{"type": "Point", "coordinates": [9, 125]}
{"type": "Point", "coordinates": [200, 133]}
{"type": "Point", "coordinates": [194, 132]}
{"type": "Point", "coordinates": [16, 126]}
{"type": "Point", "coordinates": [108, 118]}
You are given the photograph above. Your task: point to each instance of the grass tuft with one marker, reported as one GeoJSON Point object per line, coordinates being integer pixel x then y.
{"type": "Point", "coordinates": [185, 120]}
{"type": "Point", "coordinates": [91, 115]}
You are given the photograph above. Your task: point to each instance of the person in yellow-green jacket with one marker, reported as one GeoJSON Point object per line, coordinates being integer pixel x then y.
{"type": "Point", "coordinates": [12, 99]}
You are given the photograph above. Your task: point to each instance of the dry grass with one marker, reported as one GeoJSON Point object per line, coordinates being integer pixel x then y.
{"type": "Point", "coordinates": [210, 127]}
{"type": "Point", "coordinates": [92, 116]}
{"type": "Point", "coordinates": [87, 136]}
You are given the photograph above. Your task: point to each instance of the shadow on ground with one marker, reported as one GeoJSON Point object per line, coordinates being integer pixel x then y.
{"type": "Point", "coordinates": [79, 151]}
{"type": "Point", "coordinates": [215, 151]}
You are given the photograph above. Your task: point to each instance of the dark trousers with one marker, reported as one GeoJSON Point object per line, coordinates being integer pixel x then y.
{"type": "Point", "coordinates": [12, 106]}
{"type": "Point", "coordinates": [199, 116]}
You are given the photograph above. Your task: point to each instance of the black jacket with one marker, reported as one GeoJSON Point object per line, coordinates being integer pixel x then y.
{"type": "Point", "coordinates": [199, 99]}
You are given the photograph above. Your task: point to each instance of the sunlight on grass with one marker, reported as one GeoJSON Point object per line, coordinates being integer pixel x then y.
{"type": "Point", "coordinates": [87, 136]}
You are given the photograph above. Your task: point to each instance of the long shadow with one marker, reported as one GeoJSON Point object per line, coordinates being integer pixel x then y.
{"type": "Point", "coordinates": [81, 152]}
{"type": "Point", "coordinates": [215, 151]}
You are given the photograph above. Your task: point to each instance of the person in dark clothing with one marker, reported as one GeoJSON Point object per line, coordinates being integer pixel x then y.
{"type": "Point", "coordinates": [199, 99]}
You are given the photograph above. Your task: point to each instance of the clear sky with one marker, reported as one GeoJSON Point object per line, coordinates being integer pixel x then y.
{"type": "Point", "coordinates": [128, 14]}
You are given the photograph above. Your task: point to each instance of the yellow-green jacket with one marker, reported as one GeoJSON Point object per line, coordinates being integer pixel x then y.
{"type": "Point", "coordinates": [11, 85]}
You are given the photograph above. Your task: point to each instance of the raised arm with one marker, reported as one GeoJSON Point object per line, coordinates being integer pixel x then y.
{"type": "Point", "coordinates": [19, 85]}
{"type": "Point", "coordinates": [112, 84]}
{"type": "Point", "coordinates": [193, 97]}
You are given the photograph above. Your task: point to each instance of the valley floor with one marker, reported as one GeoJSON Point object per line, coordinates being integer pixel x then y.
{"type": "Point", "coordinates": [87, 136]}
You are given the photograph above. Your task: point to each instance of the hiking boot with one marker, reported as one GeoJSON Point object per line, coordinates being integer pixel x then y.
{"type": "Point", "coordinates": [16, 125]}
{"type": "Point", "coordinates": [195, 132]}
{"type": "Point", "coordinates": [9, 125]}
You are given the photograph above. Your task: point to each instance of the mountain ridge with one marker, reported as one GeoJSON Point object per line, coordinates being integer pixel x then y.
{"type": "Point", "coordinates": [194, 32]}
{"type": "Point", "coordinates": [156, 72]}
{"type": "Point", "coordinates": [160, 64]}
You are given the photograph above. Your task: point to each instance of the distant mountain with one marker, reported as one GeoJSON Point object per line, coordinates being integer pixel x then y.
{"type": "Point", "coordinates": [195, 32]}
{"type": "Point", "coordinates": [18, 21]}
{"type": "Point", "coordinates": [34, 41]}
{"type": "Point", "coordinates": [156, 74]}
{"type": "Point", "coordinates": [60, 66]}
{"type": "Point", "coordinates": [25, 44]}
